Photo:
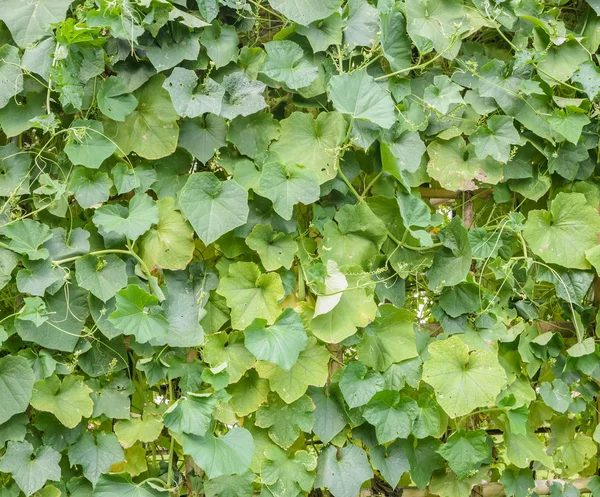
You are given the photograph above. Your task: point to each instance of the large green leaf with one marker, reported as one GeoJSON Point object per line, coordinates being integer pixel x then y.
{"type": "Point", "coordinates": [286, 421]}
{"type": "Point", "coordinates": [88, 145]}
{"type": "Point", "coordinates": [229, 454]}
{"type": "Point", "coordinates": [287, 186]}
{"type": "Point", "coordinates": [213, 207]}
{"type": "Point", "coordinates": [311, 368]}
{"type": "Point", "coordinates": [11, 75]}
{"type": "Point", "coordinates": [285, 63]}
{"type": "Point", "coordinates": [103, 276]}
{"type": "Point", "coordinates": [170, 244]}
{"type": "Point", "coordinates": [30, 468]}
{"type": "Point", "coordinates": [138, 314]}
{"type": "Point", "coordinates": [189, 101]}
{"type": "Point", "coordinates": [391, 414]}
{"type": "Point", "coordinates": [466, 451]}
{"type": "Point", "coordinates": [274, 249]}
{"type": "Point", "coordinates": [250, 294]}
{"type": "Point", "coordinates": [69, 400]}
{"type": "Point", "coordinates": [359, 96]}
{"type": "Point", "coordinates": [390, 338]}
{"type": "Point", "coordinates": [305, 11]}
{"type": "Point", "coordinates": [463, 379]}
{"type": "Point", "coordinates": [132, 221]}
{"type": "Point", "coordinates": [26, 237]}
{"type": "Point", "coordinates": [280, 343]}
{"type": "Point", "coordinates": [191, 415]}
{"type": "Point", "coordinates": [311, 142]}
{"type": "Point", "coordinates": [30, 21]}
{"type": "Point", "coordinates": [14, 171]}
{"type": "Point", "coordinates": [121, 484]}
{"type": "Point", "coordinates": [563, 234]}
{"type": "Point", "coordinates": [95, 454]}
{"type": "Point", "coordinates": [16, 386]}
{"type": "Point", "coordinates": [150, 130]}
{"type": "Point", "coordinates": [343, 471]}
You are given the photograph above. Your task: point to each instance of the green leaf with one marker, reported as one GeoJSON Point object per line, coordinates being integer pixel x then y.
{"type": "Point", "coordinates": [588, 76]}
{"type": "Point", "coordinates": [230, 486]}
{"type": "Point", "coordinates": [38, 276]}
{"type": "Point", "coordinates": [287, 186]}
{"type": "Point", "coordinates": [213, 207]}
{"type": "Point", "coordinates": [202, 137]}
{"type": "Point", "coordinates": [16, 386]}
{"type": "Point", "coordinates": [190, 101]}
{"type": "Point", "coordinates": [103, 276]}
{"type": "Point", "coordinates": [451, 263]}
{"type": "Point", "coordinates": [248, 393]}
{"type": "Point", "coordinates": [285, 63]}
{"type": "Point", "coordinates": [463, 298]}
{"type": "Point", "coordinates": [279, 344]}
{"type": "Point", "coordinates": [311, 142]}
{"type": "Point", "coordinates": [563, 234]}
{"type": "Point", "coordinates": [442, 94]}
{"type": "Point", "coordinates": [87, 144]}
{"type": "Point", "coordinates": [305, 11]}
{"type": "Point", "coordinates": [517, 482]}
{"type": "Point", "coordinates": [355, 309]}
{"type": "Point", "coordinates": [68, 400]}
{"type": "Point", "coordinates": [114, 99]}
{"type": "Point", "coordinates": [67, 312]}
{"type": "Point", "coordinates": [228, 348]}
{"type": "Point", "coordinates": [242, 96]}
{"type": "Point", "coordinates": [138, 314]}
{"type": "Point", "coordinates": [90, 187]}
{"type": "Point", "coordinates": [221, 43]}
{"type": "Point", "coordinates": [403, 154]}
{"type": "Point", "coordinates": [394, 40]}
{"type": "Point", "coordinates": [288, 475]}
{"type": "Point", "coordinates": [453, 165]}
{"type": "Point", "coordinates": [495, 138]}
{"type": "Point", "coordinates": [569, 123]}
{"type": "Point", "coordinates": [30, 473]}
{"type": "Point", "coordinates": [311, 368]}
{"type": "Point", "coordinates": [145, 429]}
{"type": "Point", "coordinates": [556, 395]}
{"type": "Point", "coordinates": [466, 451]}
{"type": "Point", "coordinates": [274, 249]}
{"type": "Point", "coordinates": [391, 462]}
{"type": "Point", "coordinates": [190, 414]}
{"type": "Point", "coordinates": [343, 471]}
{"type": "Point", "coordinates": [286, 421]}
{"type": "Point", "coordinates": [150, 130]}
{"type": "Point", "coordinates": [356, 238]}
{"type": "Point", "coordinates": [11, 75]}
{"type": "Point", "coordinates": [388, 339]}
{"type": "Point", "coordinates": [324, 33]}
{"type": "Point", "coordinates": [14, 171]}
{"type": "Point", "coordinates": [329, 415]}
{"type": "Point", "coordinates": [95, 454]}
{"type": "Point", "coordinates": [183, 307]}
{"type": "Point", "coordinates": [229, 454]}
{"type": "Point", "coordinates": [463, 379]}
{"type": "Point", "coordinates": [253, 134]}
{"type": "Point", "coordinates": [250, 294]}
{"type": "Point", "coordinates": [391, 414]}
{"type": "Point", "coordinates": [121, 485]}
{"type": "Point", "coordinates": [170, 244]}
{"type": "Point", "coordinates": [359, 385]}
{"type": "Point", "coordinates": [31, 21]}
{"type": "Point", "coordinates": [132, 221]}
{"type": "Point", "coordinates": [26, 236]}
{"type": "Point", "coordinates": [521, 450]}
{"type": "Point", "coordinates": [359, 96]}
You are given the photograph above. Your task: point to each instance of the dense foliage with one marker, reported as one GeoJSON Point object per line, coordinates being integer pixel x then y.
{"type": "Point", "coordinates": [275, 246]}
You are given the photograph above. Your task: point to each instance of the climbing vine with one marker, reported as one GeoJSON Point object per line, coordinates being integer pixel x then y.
{"type": "Point", "coordinates": [299, 247]}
